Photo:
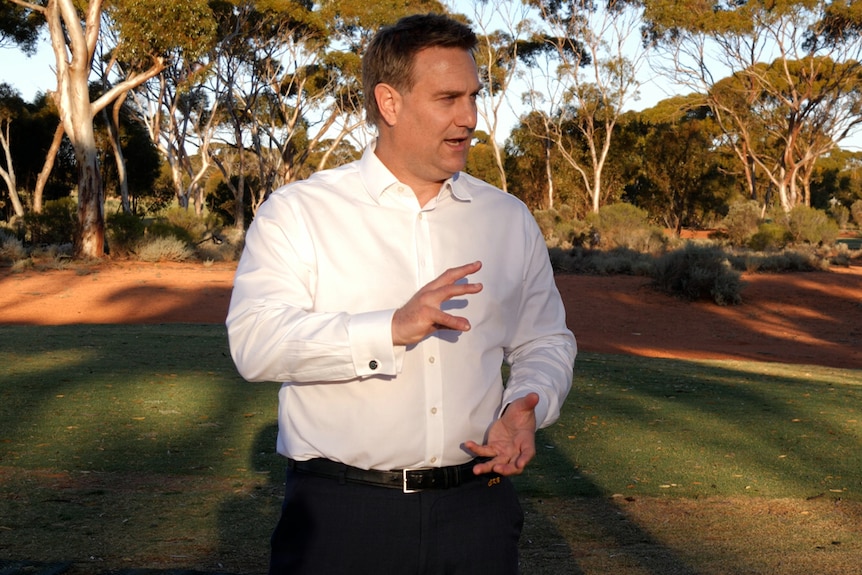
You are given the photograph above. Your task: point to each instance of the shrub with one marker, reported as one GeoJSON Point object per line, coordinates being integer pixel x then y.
{"type": "Point", "coordinates": [622, 225]}
{"type": "Point", "coordinates": [741, 222]}
{"type": "Point", "coordinates": [164, 229]}
{"type": "Point", "coordinates": [11, 248]}
{"type": "Point", "coordinates": [769, 236]}
{"type": "Point", "coordinates": [222, 246]}
{"type": "Point", "coordinates": [56, 224]}
{"type": "Point", "coordinates": [809, 225]}
{"type": "Point", "coordinates": [125, 231]}
{"type": "Point", "coordinates": [784, 261]}
{"type": "Point", "coordinates": [699, 272]}
{"type": "Point", "coordinates": [856, 212]}
{"type": "Point", "coordinates": [841, 214]}
{"type": "Point", "coordinates": [560, 228]}
{"type": "Point", "coordinates": [589, 261]}
{"type": "Point", "coordinates": [164, 249]}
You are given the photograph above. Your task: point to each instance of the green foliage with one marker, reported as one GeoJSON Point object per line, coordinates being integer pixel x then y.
{"type": "Point", "coordinates": [809, 225]}
{"type": "Point", "coordinates": [152, 28]}
{"type": "Point", "coordinates": [741, 222]}
{"type": "Point", "coordinates": [481, 162]}
{"type": "Point", "coordinates": [560, 227]}
{"type": "Point", "coordinates": [57, 224]}
{"type": "Point", "coordinates": [163, 228]}
{"type": "Point", "coordinates": [184, 224]}
{"type": "Point", "coordinates": [125, 231]}
{"type": "Point", "coordinates": [699, 272]}
{"type": "Point", "coordinates": [622, 225]}
{"type": "Point", "coordinates": [770, 236]}
{"type": "Point", "coordinates": [677, 176]}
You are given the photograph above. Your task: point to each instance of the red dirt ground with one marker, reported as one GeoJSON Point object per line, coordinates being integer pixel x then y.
{"type": "Point", "coordinates": [803, 318]}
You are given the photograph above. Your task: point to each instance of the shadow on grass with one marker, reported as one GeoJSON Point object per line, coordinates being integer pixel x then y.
{"type": "Point", "coordinates": [583, 531]}
{"type": "Point", "coordinates": [142, 444]}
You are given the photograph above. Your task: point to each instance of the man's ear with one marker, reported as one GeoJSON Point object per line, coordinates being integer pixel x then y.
{"type": "Point", "coordinates": [388, 102]}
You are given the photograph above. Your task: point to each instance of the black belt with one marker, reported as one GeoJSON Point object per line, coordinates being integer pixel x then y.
{"type": "Point", "coordinates": [407, 480]}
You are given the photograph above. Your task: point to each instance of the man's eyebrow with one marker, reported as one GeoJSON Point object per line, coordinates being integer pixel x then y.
{"type": "Point", "coordinates": [478, 90]}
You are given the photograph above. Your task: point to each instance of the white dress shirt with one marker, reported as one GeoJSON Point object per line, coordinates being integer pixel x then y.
{"type": "Point", "coordinates": [327, 262]}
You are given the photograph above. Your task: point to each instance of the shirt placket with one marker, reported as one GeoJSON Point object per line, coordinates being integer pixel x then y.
{"type": "Point", "coordinates": [430, 348]}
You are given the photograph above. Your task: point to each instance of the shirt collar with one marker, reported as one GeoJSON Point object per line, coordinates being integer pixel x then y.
{"type": "Point", "coordinates": [377, 177]}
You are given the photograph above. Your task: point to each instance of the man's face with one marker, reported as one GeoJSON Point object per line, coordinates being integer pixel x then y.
{"type": "Point", "coordinates": [435, 123]}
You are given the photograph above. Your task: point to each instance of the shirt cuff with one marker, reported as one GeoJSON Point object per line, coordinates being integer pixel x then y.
{"type": "Point", "coordinates": [371, 343]}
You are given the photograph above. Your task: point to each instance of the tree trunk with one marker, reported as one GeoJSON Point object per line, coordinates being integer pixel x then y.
{"type": "Point", "coordinates": [91, 210]}
{"type": "Point", "coordinates": [47, 167]}
{"type": "Point", "coordinates": [9, 173]}
{"type": "Point", "coordinates": [113, 123]}
{"type": "Point", "coordinates": [549, 174]}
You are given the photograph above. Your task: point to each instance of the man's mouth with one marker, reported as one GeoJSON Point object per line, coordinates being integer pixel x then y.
{"type": "Point", "coordinates": [458, 142]}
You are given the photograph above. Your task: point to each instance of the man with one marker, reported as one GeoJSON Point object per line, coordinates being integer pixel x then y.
{"type": "Point", "coordinates": [385, 295]}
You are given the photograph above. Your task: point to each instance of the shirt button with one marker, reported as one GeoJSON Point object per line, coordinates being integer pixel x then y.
{"type": "Point", "coordinates": [373, 364]}
{"type": "Point", "coordinates": [431, 359]}
{"type": "Point", "coordinates": [433, 460]}
{"type": "Point", "coordinates": [433, 411]}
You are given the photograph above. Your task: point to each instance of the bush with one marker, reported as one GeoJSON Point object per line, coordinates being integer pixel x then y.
{"type": "Point", "coordinates": [125, 231]}
{"type": "Point", "coordinates": [162, 249]}
{"type": "Point", "coordinates": [699, 272]}
{"type": "Point", "coordinates": [784, 261]}
{"type": "Point", "coordinates": [841, 215]}
{"type": "Point", "coordinates": [589, 261]}
{"type": "Point", "coordinates": [57, 224]}
{"type": "Point", "coordinates": [741, 222]}
{"type": "Point", "coordinates": [560, 228]}
{"type": "Point", "coordinates": [856, 212]}
{"type": "Point", "coordinates": [164, 229]}
{"type": "Point", "coordinates": [622, 225]}
{"type": "Point", "coordinates": [769, 236]}
{"type": "Point", "coordinates": [222, 246]}
{"type": "Point", "coordinates": [809, 225]}
{"type": "Point", "coordinates": [11, 248]}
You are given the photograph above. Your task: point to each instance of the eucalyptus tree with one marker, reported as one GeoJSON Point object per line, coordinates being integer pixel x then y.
{"type": "Point", "coordinates": [781, 77]}
{"type": "Point", "coordinates": [680, 179]}
{"type": "Point", "coordinates": [538, 174]}
{"type": "Point", "coordinates": [150, 31]}
{"type": "Point", "coordinates": [597, 56]}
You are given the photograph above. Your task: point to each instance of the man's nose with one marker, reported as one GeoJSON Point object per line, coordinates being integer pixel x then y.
{"type": "Point", "coordinates": [468, 114]}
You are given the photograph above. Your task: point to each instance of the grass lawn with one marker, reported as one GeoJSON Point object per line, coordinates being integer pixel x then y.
{"type": "Point", "coordinates": [139, 446]}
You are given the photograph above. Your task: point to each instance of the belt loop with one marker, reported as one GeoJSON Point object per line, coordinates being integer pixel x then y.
{"type": "Point", "coordinates": [342, 477]}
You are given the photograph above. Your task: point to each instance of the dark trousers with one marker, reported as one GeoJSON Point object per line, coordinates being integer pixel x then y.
{"type": "Point", "coordinates": [329, 527]}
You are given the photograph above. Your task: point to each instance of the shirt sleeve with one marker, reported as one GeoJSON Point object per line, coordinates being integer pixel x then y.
{"type": "Point", "coordinates": [273, 330]}
{"type": "Point", "coordinates": [543, 350]}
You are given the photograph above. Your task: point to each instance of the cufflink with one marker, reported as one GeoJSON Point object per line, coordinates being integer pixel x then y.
{"type": "Point", "coordinates": [372, 364]}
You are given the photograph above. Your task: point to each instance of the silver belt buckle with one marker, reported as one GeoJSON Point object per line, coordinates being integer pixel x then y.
{"type": "Point", "coordinates": [404, 473]}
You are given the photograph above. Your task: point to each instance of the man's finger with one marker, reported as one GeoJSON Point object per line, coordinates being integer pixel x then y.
{"type": "Point", "coordinates": [443, 320]}
{"type": "Point", "coordinates": [452, 275]}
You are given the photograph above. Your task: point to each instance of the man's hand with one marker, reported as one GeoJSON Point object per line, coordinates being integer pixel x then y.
{"type": "Point", "coordinates": [511, 439]}
{"type": "Point", "coordinates": [422, 316]}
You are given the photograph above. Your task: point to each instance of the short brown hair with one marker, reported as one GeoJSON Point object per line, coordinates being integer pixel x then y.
{"type": "Point", "coordinates": [389, 58]}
